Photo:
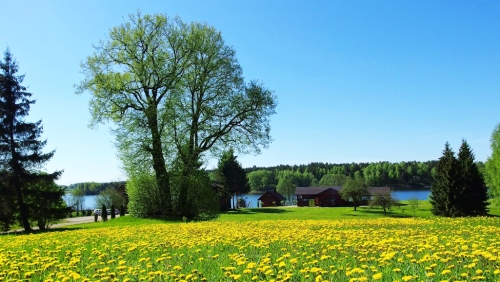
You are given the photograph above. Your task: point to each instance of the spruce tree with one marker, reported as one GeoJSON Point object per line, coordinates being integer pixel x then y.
{"type": "Point", "coordinates": [445, 189]}
{"type": "Point", "coordinates": [232, 175]}
{"type": "Point", "coordinates": [20, 147]}
{"type": "Point", "coordinates": [475, 195]}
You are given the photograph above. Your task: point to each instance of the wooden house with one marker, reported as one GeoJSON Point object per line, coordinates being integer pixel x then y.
{"type": "Point", "coordinates": [319, 196]}
{"type": "Point", "coordinates": [271, 199]}
{"type": "Point", "coordinates": [330, 196]}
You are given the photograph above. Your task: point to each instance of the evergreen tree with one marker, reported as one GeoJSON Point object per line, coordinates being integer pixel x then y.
{"type": "Point", "coordinates": [232, 175]}
{"type": "Point", "coordinates": [447, 189]}
{"type": "Point", "coordinates": [475, 195]}
{"type": "Point", "coordinates": [20, 147]}
{"type": "Point", "coordinates": [104, 213]}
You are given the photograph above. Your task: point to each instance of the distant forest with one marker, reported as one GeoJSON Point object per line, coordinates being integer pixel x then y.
{"type": "Point", "coordinates": [399, 176]}
{"type": "Point", "coordinates": [93, 188]}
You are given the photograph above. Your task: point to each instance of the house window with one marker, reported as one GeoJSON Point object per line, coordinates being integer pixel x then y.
{"type": "Point", "coordinates": [299, 197]}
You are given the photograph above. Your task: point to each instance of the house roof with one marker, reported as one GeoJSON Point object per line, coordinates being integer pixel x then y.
{"type": "Point", "coordinates": [314, 190]}
{"type": "Point", "coordinates": [275, 194]}
{"type": "Point", "coordinates": [379, 190]}
{"type": "Point", "coordinates": [319, 190]}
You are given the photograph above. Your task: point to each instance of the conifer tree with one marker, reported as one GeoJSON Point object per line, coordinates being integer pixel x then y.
{"type": "Point", "coordinates": [21, 153]}
{"type": "Point", "coordinates": [445, 188]}
{"type": "Point", "coordinates": [232, 175]}
{"type": "Point", "coordinates": [475, 195]}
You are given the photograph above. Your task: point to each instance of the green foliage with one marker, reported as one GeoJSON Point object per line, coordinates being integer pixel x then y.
{"type": "Point", "coordinates": [332, 179]}
{"type": "Point", "coordinates": [203, 201]}
{"type": "Point", "coordinates": [143, 192]}
{"type": "Point", "coordinates": [475, 198]}
{"type": "Point", "coordinates": [122, 210]}
{"type": "Point", "coordinates": [261, 180]}
{"type": "Point", "coordinates": [492, 166]}
{"type": "Point", "coordinates": [446, 185]}
{"type": "Point", "coordinates": [231, 175]}
{"type": "Point", "coordinates": [20, 146]}
{"type": "Point", "coordinates": [113, 213]}
{"type": "Point", "coordinates": [104, 213]}
{"type": "Point", "coordinates": [183, 96]}
{"type": "Point", "coordinates": [286, 188]}
{"type": "Point", "coordinates": [355, 190]}
{"type": "Point", "coordinates": [384, 200]}
{"type": "Point", "coordinates": [401, 175]}
{"type": "Point", "coordinates": [110, 197]}
{"type": "Point", "coordinates": [458, 188]}
{"type": "Point", "coordinates": [413, 202]}
{"type": "Point", "coordinates": [46, 205]}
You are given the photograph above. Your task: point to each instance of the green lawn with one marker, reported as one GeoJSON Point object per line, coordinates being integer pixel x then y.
{"type": "Point", "coordinates": [291, 213]}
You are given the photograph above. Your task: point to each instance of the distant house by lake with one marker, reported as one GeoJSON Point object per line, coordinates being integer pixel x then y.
{"type": "Point", "coordinates": [330, 196]}
{"type": "Point", "coordinates": [271, 199]}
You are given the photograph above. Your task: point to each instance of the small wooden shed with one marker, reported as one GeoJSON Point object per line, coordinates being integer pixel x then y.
{"type": "Point", "coordinates": [271, 199]}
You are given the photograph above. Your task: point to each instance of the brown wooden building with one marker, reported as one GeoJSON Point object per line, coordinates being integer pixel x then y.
{"type": "Point", "coordinates": [330, 196]}
{"type": "Point", "coordinates": [319, 196]}
{"type": "Point", "coordinates": [271, 199]}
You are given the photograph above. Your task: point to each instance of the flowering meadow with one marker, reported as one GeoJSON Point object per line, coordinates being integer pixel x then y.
{"type": "Point", "coordinates": [383, 249]}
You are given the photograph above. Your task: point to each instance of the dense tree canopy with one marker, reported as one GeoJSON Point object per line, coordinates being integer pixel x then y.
{"type": "Point", "coordinates": [458, 188]}
{"type": "Point", "coordinates": [354, 190]}
{"type": "Point", "coordinates": [175, 93]}
{"type": "Point", "coordinates": [492, 166]}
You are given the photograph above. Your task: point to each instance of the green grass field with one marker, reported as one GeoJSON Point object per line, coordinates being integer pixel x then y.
{"type": "Point", "coordinates": [266, 244]}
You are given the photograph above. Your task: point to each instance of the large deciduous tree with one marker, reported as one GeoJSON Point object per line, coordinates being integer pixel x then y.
{"type": "Point", "coordinates": [21, 153]}
{"type": "Point", "coordinates": [216, 108]}
{"type": "Point", "coordinates": [176, 93]}
{"type": "Point", "coordinates": [132, 76]}
{"type": "Point", "coordinates": [492, 166]}
{"type": "Point", "coordinates": [355, 190]}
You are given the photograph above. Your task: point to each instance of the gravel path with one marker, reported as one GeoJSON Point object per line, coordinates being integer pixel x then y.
{"type": "Point", "coordinates": [64, 222]}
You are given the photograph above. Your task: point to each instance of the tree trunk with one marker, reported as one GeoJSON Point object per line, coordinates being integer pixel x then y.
{"type": "Point", "coordinates": [23, 210]}
{"type": "Point", "coordinates": [183, 193]}
{"type": "Point", "coordinates": [162, 177]}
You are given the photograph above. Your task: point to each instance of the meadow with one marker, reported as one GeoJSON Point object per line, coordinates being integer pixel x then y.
{"type": "Point", "coordinates": [276, 244]}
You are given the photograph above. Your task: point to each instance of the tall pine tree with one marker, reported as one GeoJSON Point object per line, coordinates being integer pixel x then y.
{"type": "Point", "coordinates": [21, 153]}
{"type": "Point", "coordinates": [232, 175]}
{"type": "Point", "coordinates": [475, 191]}
{"type": "Point", "coordinates": [445, 188]}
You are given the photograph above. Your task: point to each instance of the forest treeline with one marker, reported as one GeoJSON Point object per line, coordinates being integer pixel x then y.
{"type": "Point", "coordinates": [284, 178]}
{"type": "Point", "coordinates": [93, 188]}
{"type": "Point", "coordinates": [402, 175]}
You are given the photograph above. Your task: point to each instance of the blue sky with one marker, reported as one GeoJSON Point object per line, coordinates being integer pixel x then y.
{"type": "Point", "coordinates": [357, 81]}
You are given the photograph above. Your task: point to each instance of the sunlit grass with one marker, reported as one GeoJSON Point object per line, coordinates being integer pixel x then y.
{"type": "Point", "coordinates": [329, 246]}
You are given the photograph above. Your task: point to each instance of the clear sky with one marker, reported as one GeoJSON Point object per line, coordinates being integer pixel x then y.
{"type": "Point", "coordinates": [357, 81]}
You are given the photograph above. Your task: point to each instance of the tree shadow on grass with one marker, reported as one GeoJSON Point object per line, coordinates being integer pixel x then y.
{"type": "Point", "coordinates": [388, 214]}
{"type": "Point", "coordinates": [37, 231]}
{"type": "Point", "coordinates": [255, 211]}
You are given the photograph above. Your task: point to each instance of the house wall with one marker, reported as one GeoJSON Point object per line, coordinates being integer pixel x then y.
{"type": "Point", "coordinates": [267, 200]}
{"type": "Point", "coordinates": [327, 198]}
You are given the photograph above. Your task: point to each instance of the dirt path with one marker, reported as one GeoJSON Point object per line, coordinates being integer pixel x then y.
{"type": "Point", "coordinates": [64, 222]}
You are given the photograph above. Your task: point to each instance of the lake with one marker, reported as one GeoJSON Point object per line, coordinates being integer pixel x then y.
{"type": "Point", "coordinates": [89, 202]}
{"type": "Point", "coordinates": [252, 199]}
{"type": "Point", "coordinates": [403, 195]}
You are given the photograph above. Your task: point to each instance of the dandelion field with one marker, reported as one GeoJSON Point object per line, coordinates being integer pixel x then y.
{"type": "Point", "coordinates": [383, 249]}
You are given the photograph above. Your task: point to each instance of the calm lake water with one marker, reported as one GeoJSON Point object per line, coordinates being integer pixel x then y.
{"type": "Point", "coordinates": [252, 199]}
{"type": "Point", "coordinates": [89, 202]}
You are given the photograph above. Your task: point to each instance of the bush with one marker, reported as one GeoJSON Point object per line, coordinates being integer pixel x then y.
{"type": "Point", "coordinates": [144, 195]}
{"type": "Point", "coordinates": [203, 202]}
